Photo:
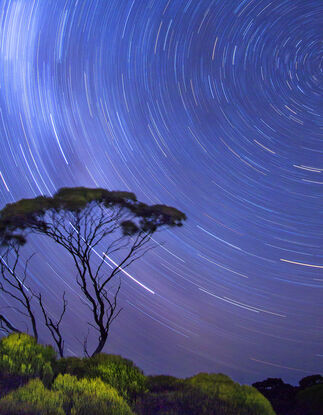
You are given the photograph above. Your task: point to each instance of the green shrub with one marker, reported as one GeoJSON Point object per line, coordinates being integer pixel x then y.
{"type": "Point", "coordinates": [118, 372]}
{"type": "Point", "coordinates": [89, 396]}
{"type": "Point", "coordinates": [20, 354]}
{"type": "Point", "coordinates": [114, 370]}
{"type": "Point", "coordinates": [34, 399]}
{"type": "Point", "coordinates": [246, 399]}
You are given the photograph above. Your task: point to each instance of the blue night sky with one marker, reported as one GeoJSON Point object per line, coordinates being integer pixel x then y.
{"type": "Point", "coordinates": [210, 106]}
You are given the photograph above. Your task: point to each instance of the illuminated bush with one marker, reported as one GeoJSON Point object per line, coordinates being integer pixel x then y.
{"type": "Point", "coordinates": [20, 354]}
{"type": "Point", "coordinates": [89, 396]}
{"type": "Point", "coordinates": [120, 373]}
{"type": "Point", "coordinates": [34, 399]}
{"type": "Point", "coordinates": [246, 399]}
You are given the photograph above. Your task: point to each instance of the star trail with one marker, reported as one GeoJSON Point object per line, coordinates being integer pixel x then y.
{"type": "Point", "coordinates": [214, 107]}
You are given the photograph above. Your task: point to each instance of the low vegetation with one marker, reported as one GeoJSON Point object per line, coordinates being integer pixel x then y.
{"type": "Point", "coordinates": [203, 394]}
{"type": "Point", "coordinates": [32, 398]}
{"type": "Point", "coordinates": [89, 396]}
{"type": "Point", "coordinates": [114, 370]}
{"type": "Point", "coordinates": [305, 399]}
{"type": "Point", "coordinates": [22, 356]}
{"type": "Point", "coordinates": [34, 382]}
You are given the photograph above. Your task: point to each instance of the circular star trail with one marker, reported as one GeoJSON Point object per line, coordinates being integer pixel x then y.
{"type": "Point", "coordinates": [209, 106]}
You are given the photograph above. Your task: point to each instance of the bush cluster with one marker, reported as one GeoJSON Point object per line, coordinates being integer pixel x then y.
{"type": "Point", "coordinates": [245, 399]}
{"type": "Point", "coordinates": [204, 394]}
{"type": "Point", "coordinates": [111, 385]}
{"type": "Point", "coordinates": [120, 373]}
{"type": "Point", "coordinates": [114, 370]}
{"type": "Point", "coordinates": [21, 355]}
{"type": "Point", "coordinates": [34, 399]}
{"type": "Point", "coordinates": [82, 394]}
{"type": "Point", "coordinates": [68, 395]}
{"type": "Point", "coordinates": [89, 396]}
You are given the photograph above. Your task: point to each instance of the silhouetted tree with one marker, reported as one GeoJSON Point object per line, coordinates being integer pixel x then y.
{"type": "Point", "coordinates": [280, 394]}
{"type": "Point", "coordinates": [309, 381]}
{"type": "Point", "coordinates": [82, 220]}
{"type": "Point", "coordinates": [269, 384]}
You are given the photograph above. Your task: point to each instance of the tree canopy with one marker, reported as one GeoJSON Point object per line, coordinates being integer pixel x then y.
{"type": "Point", "coordinates": [29, 214]}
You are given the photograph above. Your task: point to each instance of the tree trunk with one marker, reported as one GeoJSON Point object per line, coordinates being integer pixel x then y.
{"type": "Point", "coordinates": [101, 344]}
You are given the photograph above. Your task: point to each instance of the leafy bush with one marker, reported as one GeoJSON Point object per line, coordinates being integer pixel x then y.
{"type": "Point", "coordinates": [34, 399]}
{"type": "Point", "coordinates": [120, 373]}
{"type": "Point", "coordinates": [9, 383]}
{"type": "Point", "coordinates": [246, 399]}
{"type": "Point", "coordinates": [89, 396]}
{"type": "Point", "coordinates": [20, 354]}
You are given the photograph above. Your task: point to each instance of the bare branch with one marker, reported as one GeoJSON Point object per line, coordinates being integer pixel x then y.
{"type": "Point", "coordinates": [15, 286]}
{"type": "Point", "coordinates": [54, 327]}
{"type": "Point", "coordinates": [6, 326]}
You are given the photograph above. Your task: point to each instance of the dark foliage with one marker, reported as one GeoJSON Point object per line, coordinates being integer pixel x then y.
{"type": "Point", "coordinates": [203, 394]}
{"type": "Point", "coordinates": [290, 400]}
{"type": "Point", "coordinates": [188, 400]}
{"type": "Point", "coordinates": [30, 214]}
{"type": "Point", "coordinates": [280, 394]}
{"type": "Point", "coordinates": [309, 381]}
{"type": "Point", "coordinates": [163, 383]}
{"type": "Point", "coordinates": [73, 366]}
{"type": "Point", "coordinates": [10, 382]}
{"type": "Point", "coordinates": [309, 401]}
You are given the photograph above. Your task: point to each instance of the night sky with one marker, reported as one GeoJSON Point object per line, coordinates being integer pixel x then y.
{"type": "Point", "coordinates": [213, 107]}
